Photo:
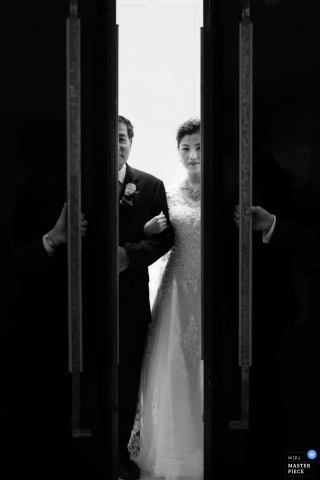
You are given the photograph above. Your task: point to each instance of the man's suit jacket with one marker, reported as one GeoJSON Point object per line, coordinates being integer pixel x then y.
{"type": "Point", "coordinates": [148, 203]}
{"type": "Point", "coordinates": [26, 258]}
{"type": "Point", "coordinates": [297, 238]}
{"type": "Point", "coordinates": [142, 252]}
{"type": "Point", "coordinates": [134, 306]}
{"type": "Point", "coordinates": [14, 262]}
{"type": "Point", "coordinates": [36, 316]}
{"type": "Point", "coordinates": [304, 243]}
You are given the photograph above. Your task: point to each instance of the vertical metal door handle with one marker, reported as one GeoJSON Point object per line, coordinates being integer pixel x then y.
{"type": "Point", "coordinates": [245, 227]}
{"type": "Point", "coordinates": [75, 360]}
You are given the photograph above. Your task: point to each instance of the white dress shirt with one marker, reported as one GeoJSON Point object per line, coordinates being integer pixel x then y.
{"type": "Point", "coordinates": [267, 237]}
{"type": "Point", "coordinates": [122, 173]}
{"type": "Point", "coordinates": [46, 245]}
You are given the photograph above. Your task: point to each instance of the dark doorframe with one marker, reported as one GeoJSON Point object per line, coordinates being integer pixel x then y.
{"type": "Point", "coordinates": [212, 221]}
{"type": "Point", "coordinates": [285, 164]}
{"type": "Point", "coordinates": [100, 193]}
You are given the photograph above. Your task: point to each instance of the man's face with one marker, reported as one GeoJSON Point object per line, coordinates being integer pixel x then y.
{"type": "Point", "coordinates": [124, 145]}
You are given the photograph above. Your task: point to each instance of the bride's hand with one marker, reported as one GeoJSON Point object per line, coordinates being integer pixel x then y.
{"type": "Point", "coordinates": [155, 225]}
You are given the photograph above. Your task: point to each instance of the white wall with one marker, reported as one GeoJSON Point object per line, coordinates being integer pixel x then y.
{"type": "Point", "coordinates": [159, 83]}
{"type": "Point", "coordinates": [159, 77]}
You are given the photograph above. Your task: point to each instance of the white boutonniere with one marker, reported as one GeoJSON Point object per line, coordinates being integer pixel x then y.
{"type": "Point", "coordinates": [130, 190]}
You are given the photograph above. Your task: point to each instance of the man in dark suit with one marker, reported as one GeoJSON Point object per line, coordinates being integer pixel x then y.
{"type": "Point", "coordinates": [283, 233]}
{"type": "Point", "coordinates": [299, 346]}
{"type": "Point", "coordinates": [302, 242]}
{"type": "Point", "coordinates": [38, 253]}
{"type": "Point", "coordinates": [27, 399]}
{"type": "Point", "coordinates": [142, 197]}
{"type": "Point", "coordinates": [273, 312]}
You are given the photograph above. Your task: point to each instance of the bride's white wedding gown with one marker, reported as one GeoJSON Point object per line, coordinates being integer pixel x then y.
{"type": "Point", "coordinates": [167, 436]}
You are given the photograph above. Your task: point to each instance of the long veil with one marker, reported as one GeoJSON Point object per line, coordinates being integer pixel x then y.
{"type": "Point", "coordinates": [180, 174]}
{"type": "Point", "coordinates": [156, 269]}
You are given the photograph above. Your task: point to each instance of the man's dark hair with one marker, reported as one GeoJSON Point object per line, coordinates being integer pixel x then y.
{"type": "Point", "coordinates": [128, 124]}
{"type": "Point", "coordinates": [188, 128]}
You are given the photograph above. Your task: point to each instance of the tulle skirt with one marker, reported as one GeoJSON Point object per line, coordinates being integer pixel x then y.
{"type": "Point", "coordinates": [167, 437]}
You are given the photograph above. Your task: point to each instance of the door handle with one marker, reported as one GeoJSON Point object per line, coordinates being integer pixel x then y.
{"type": "Point", "coordinates": [245, 201]}
{"type": "Point", "coordinates": [75, 360]}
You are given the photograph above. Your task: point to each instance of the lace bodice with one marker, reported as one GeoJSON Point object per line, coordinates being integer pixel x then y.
{"type": "Point", "coordinates": [185, 257]}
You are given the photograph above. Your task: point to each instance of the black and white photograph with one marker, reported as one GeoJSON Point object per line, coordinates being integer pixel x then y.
{"type": "Point", "coordinates": [160, 239]}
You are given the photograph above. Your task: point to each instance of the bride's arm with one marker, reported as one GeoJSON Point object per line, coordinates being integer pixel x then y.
{"type": "Point", "coordinates": [147, 251]}
{"type": "Point", "coordinates": [156, 225]}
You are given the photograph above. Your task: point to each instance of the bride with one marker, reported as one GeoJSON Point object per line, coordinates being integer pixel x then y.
{"type": "Point", "coordinates": [167, 436]}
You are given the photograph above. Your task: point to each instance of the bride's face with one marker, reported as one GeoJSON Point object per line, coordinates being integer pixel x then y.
{"type": "Point", "coordinates": [190, 152]}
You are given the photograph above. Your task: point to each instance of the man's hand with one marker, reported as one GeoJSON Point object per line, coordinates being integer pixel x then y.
{"type": "Point", "coordinates": [261, 219]}
{"type": "Point", "coordinates": [59, 232]}
{"type": "Point", "coordinates": [155, 225]}
{"type": "Point", "coordinates": [123, 259]}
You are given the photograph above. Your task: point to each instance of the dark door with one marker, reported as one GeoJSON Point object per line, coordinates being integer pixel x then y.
{"type": "Point", "coordinates": [283, 401]}
{"type": "Point", "coordinates": [35, 404]}
{"type": "Point", "coordinates": [285, 287]}
{"type": "Point", "coordinates": [37, 408]}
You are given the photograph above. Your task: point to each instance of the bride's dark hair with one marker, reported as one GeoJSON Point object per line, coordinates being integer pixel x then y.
{"type": "Point", "coordinates": [188, 128]}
